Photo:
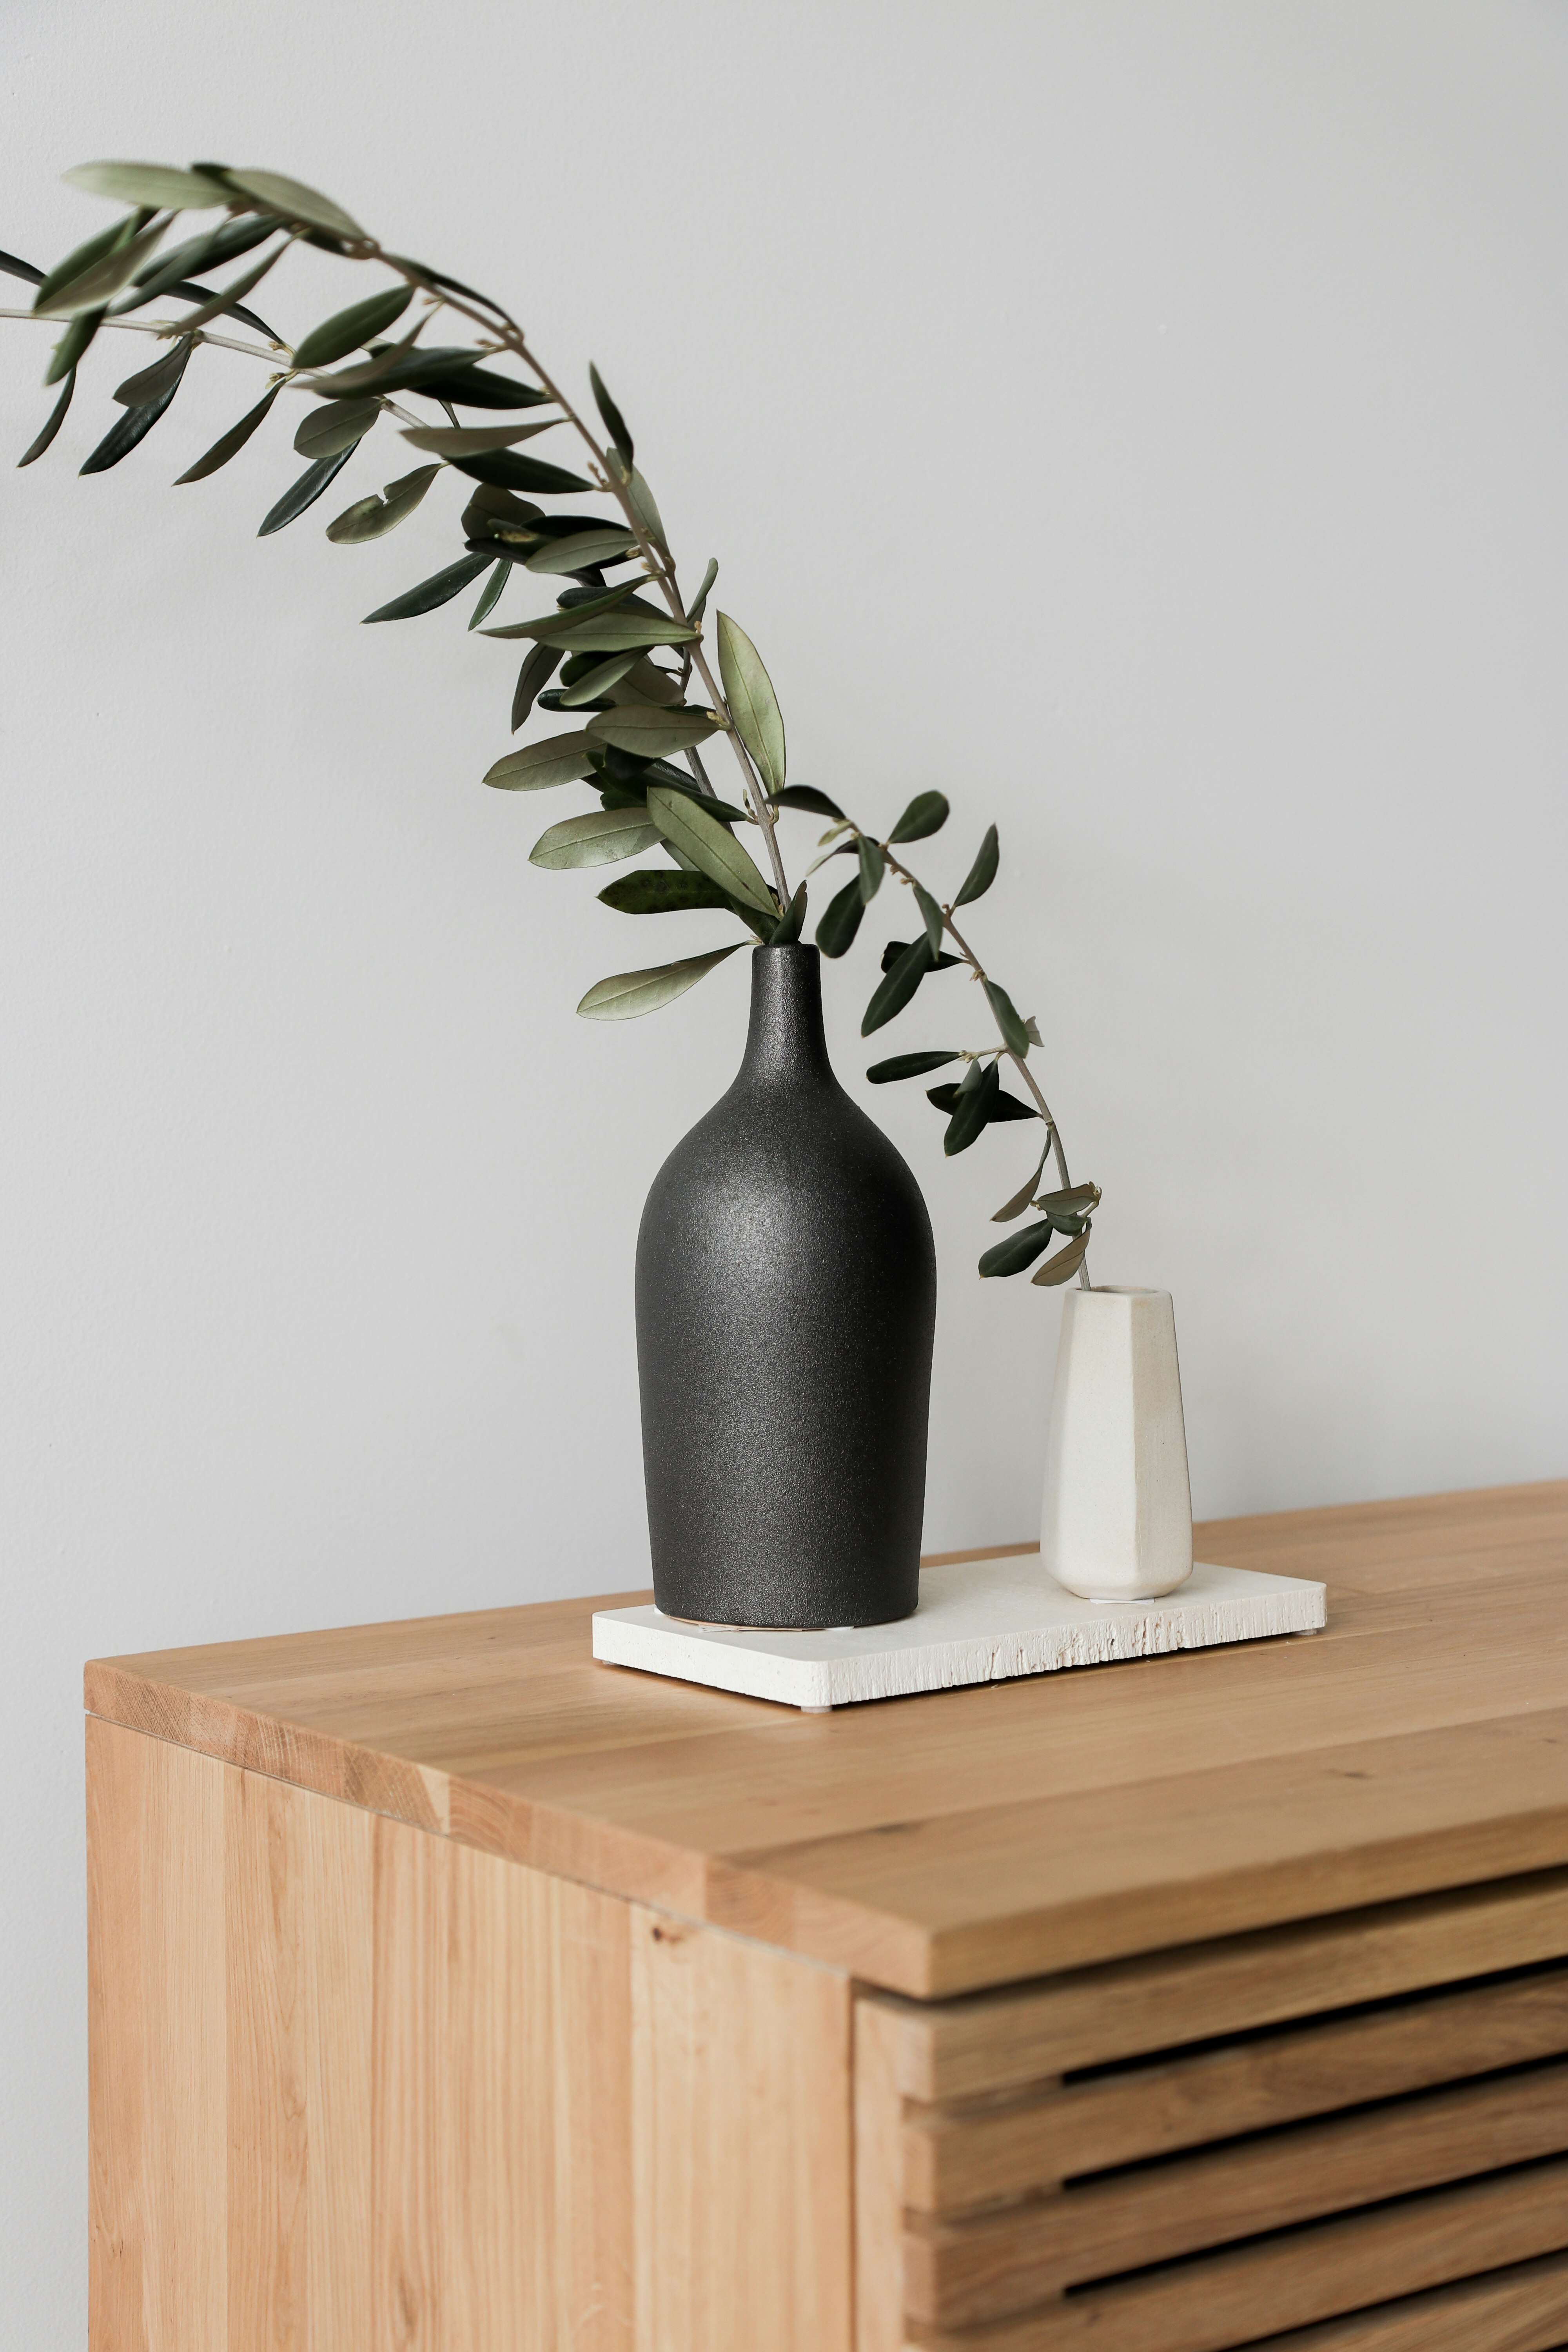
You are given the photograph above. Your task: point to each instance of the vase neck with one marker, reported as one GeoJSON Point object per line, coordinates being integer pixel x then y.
{"type": "Point", "coordinates": [785, 1040]}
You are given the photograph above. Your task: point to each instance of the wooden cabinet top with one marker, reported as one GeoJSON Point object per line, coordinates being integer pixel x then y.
{"type": "Point", "coordinates": [969, 1838]}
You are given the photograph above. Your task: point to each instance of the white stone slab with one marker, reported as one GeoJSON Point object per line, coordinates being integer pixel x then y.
{"type": "Point", "coordinates": [983, 1622]}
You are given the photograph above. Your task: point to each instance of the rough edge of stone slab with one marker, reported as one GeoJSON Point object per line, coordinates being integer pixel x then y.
{"type": "Point", "coordinates": [980, 1621]}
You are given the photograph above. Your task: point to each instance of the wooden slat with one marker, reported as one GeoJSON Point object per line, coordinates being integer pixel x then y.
{"type": "Point", "coordinates": [1525, 2309]}
{"type": "Point", "coordinates": [969, 1838]}
{"type": "Point", "coordinates": [960, 2273]}
{"type": "Point", "coordinates": [995, 2041]}
{"type": "Point", "coordinates": [879, 2185]}
{"type": "Point", "coordinates": [1228, 2300]}
{"type": "Point", "coordinates": [956, 2157]}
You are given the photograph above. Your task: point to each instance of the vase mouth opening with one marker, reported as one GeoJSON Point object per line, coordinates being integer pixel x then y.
{"type": "Point", "coordinates": [1122, 1290]}
{"type": "Point", "coordinates": [786, 947]}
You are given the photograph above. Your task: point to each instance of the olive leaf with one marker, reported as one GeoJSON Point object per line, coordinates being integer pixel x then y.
{"type": "Point", "coordinates": [397, 367]}
{"type": "Point", "coordinates": [841, 920]}
{"type": "Point", "coordinates": [603, 837]}
{"type": "Point", "coordinates": [472, 440]}
{"type": "Point", "coordinates": [895, 949]}
{"type": "Point", "coordinates": [57, 417]}
{"type": "Point", "coordinates": [601, 630]}
{"type": "Point", "coordinates": [497, 513]}
{"type": "Point", "coordinates": [292, 200]}
{"type": "Point", "coordinates": [1014, 1035]}
{"type": "Point", "coordinates": [872, 867]}
{"type": "Point", "coordinates": [927, 813]}
{"type": "Point", "coordinates": [971, 1109]}
{"type": "Point", "coordinates": [373, 517]}
{"type": "Point", "coordinates": [787, 930]}
{"type": "Point", "coordinates": [641, 499]}
{"type": "Point", "coordinates": [228, 445]}
{"type": "Point", "coordinates": [581, 552]}
{"type": "Point", "coordinates": [1018, 1251]}
{"type": "Point", "coordinates": [229, 297]}
{"type": "Point", "coordinates": [91, 287]}
{"type": "Point", "coordinates": [439, 589]}
{"type": "Point", "coordinates": [1066, 1263]}
{"type": "Point", "coordinates": [81, 258]}
{"type": "Point", "coordinates": [162, 186]}
{"type": "Point", "coordinates": [806, 796]}
{"type": "Point", "coordinates": [1009, 1107]}
{"type": "Point", "coordinates": [559, 760]}
{"type": "Point", "coordinates": [151, 382]}
{"type": "Point", "coordinates": [627, 994]}
{"type": "Point", "coordinates": [504, 470]}
{"type": "Point", "coordinates": [1067, 1209]}
{"type": "Point", "coordinates": [651, 891]}
{"type": "Point", "coordinates": [1021, 1200]}
{"type": "Point", "coordinates": [346, 331]}
{"type": "Point", "coordinates": [594, 679]}
{"type": "Point", "coordinates": [209, 250]}
{"type": "Point", "coordinates": [753, 706]}
{"type": "Point", "coordinates": [71, 345]}
{"type": "Point", "coordinates": [695, 610]}
{"type": "Point", "coordinates": [490, 594]}
{"type": "Point", "coordinates": [898, 985]}
{"type": "Point", "coordinates": [575, 607]}
{"type": "Point", "coordinates": [475, 387]}
{"type": "Point", "coordinates": [337, 425]}
{"type": "Point", "coordinates": [540, 665]}
{"type": "Point", "coordinates": [712, 849]}
{"type": "Point", "coordinates": [983, 873]}
{"type": "Point", "coordinates": [911, 1066]}
{"type": "Point", "coordinates": [615, 423]}
{"type": "Point", "coordinates": [931, 916]}
{"type": "Point", "coordinates": [137, 423]}
{"type": "Point", "coordinates": [645, 729]}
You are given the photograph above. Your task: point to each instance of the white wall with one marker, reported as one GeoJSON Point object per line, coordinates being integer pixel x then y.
{"type": "Point", "coordinates": [1143, 422]}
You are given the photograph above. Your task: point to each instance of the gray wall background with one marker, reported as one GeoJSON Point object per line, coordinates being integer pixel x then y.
{"type": "Point", "coordinates": [1146, 424]}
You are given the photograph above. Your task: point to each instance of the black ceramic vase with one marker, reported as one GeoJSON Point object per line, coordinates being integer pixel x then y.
{"type": "Point", "coordinates": [785, 1307]}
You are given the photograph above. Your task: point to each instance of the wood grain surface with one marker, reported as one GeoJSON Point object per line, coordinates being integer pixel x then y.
{"type": "Point", "coordinates": [973, 2154]}
{"type": "Point", "coordinates": [1250, 2294]}
{"type": "Point", "coordinates": [958, 2273]}
{"type": "Point", "coordinates": [355, 2085]}
{"type": "Point", "coordinates": [938, 1844]}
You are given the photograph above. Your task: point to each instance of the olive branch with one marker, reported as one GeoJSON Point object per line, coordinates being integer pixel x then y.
{"type": "Point", "coordinates": [598, 645]}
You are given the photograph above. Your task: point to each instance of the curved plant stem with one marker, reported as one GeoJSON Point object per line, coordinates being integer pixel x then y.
{"type": "Point", "coordinates": [509, 336]}
{"type": "Point", "coordinates": [268, 352]}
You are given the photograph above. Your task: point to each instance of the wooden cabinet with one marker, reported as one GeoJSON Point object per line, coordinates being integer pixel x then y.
{"type": "Point", "coordinates": [453, 1994]}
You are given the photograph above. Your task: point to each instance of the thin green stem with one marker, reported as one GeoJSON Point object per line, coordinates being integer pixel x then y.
{"type": "Point", "coordinates": [1018, 1060]}
{"type": "Point", "coordinates": [510, 337]}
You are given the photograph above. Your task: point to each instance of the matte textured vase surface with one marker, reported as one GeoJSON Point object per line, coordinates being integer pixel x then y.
{"type": "Point", "coordinates": [785, 1307]}
{"type": "Point", "coordinates": [1117, 1523]}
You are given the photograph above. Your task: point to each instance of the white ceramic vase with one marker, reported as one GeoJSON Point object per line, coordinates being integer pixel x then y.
{"type": "Point", "coordinates": [1117, 1523]}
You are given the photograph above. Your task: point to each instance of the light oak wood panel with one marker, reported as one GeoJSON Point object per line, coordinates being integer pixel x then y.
{"type": "Point", "coordinates": [298, 1940]}
{"type": "Point", "coordinates": [743, 2150]}
{"type": "Point", "coordinates": [156, 2044]}
{"type": "Point", "coordinates": [356, 2084]}
{"type": "Point", "coordinates": [1210, 1792]}
{"type": "Point", "coordinates": [1525, 2309]}
{"type": "Point", "coordinates": [995, 2041]}
{"type": "Point", "coordinates": [957, 2273]}
{"type": "Point", "coordinates": [970, 2154]}
{"type": "Point", "coordinates": [1251, 2294]}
